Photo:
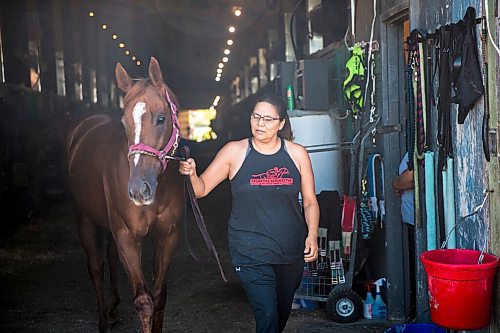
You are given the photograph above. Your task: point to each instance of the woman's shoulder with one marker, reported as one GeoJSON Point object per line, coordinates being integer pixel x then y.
{"type": "Point", "coordinates": [233, 148]}
{"type": "Point", "coordinates": [295, 149]}
{"type": "Point", "coordinates": [236, 145]}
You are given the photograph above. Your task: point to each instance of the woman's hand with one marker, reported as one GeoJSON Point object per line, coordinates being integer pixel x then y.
{"type": "Point", "coordinates": [311, 249]}
{"type": "Point", "coordinates": [187, 167]}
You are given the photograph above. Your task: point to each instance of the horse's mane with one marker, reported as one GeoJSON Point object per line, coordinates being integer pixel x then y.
{"type": "Point", "coordinates": [139, 87]}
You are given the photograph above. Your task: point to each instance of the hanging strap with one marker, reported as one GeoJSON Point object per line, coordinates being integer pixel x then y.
{"type": "Point", "coordinates": [376, 188]}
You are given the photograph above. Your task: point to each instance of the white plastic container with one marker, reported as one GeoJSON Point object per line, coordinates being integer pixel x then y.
{"type": "Point", "coordinates": [320, 134]}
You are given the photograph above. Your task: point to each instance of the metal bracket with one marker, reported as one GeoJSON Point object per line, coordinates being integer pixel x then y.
{"type": "Point", "coordinates": [492, 141]}
{"type": "Point", "coordinates": [389, 129]}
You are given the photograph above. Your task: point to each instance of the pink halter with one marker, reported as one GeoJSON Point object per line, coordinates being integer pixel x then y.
{"type": "Point", "coordinates": [173, 142]}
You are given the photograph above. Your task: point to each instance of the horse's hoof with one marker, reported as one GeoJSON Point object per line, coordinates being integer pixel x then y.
{"type": "Point", "coordinates": [113, 317]}
{"type": "Point", "coordinates": [103, 327]}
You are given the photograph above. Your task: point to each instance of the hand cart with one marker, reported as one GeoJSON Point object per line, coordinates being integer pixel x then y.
{"type": "Point", "coordinates": [330, 278]}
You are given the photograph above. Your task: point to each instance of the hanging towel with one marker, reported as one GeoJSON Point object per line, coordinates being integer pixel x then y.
{"type": "Point", "coordinates": [430, 201]}
{"type": "Point", "coordinates": [450, 203]}
{"type": "Point", "coordinates": [348, 213]}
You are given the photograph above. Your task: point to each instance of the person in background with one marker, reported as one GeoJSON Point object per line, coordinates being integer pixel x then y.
{"type": "Point", "coordinates": [269, 235]}
{"type": "Point", "coordinates": [403, 187]}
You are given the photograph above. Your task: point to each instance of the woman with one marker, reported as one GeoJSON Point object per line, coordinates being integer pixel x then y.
{"type": "Point", "coordinates": [268, 238]}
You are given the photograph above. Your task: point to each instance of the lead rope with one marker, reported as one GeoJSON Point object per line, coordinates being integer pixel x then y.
{"type": "Point", "coordinates": [200, 221]}
{"type": "Point", "coordinates": [486, 116]}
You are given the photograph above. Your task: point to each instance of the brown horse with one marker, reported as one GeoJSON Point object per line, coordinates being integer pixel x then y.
{"type": "Point", "coordinates": [120, 182]}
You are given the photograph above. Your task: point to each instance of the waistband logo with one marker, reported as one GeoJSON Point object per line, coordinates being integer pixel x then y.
{"type": "Point", "coordinates": [272, 177]}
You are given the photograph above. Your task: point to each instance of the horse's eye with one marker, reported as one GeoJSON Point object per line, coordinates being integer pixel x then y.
{"type": "Point", "coordinates": [160, 120]}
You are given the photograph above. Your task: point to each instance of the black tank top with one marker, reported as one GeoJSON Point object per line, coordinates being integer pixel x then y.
{"type": "Point", "coordinates": [266, 224]}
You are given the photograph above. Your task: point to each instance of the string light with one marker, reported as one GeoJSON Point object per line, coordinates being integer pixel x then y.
{"type": "Point", "coordinates": [237, 11]}
{"type": "Point", "coordinates": [232, 29]}
{"type": "Point", "coordinates": [225, 59]}
{"type": "Point", "coordinates": [229, 42]}
{"type": "Point", "coordinates": [121, 45]}
{"type": "Point", "coordinates": [227, 51]}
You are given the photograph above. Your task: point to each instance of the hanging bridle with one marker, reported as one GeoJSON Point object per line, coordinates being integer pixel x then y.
{"type": "Point", "coordinates": [172, 145]}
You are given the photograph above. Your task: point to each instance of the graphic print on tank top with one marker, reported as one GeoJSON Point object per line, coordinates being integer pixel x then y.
{"type": "Point", "coordinates": [272, 177]}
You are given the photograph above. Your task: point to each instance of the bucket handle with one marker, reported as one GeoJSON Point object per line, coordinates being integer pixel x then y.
{"type": "Point", "coordinates": [476, 210]}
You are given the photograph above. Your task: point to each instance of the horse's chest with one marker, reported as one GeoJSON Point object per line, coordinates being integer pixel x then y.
{"type": "Point", "coordinates": [145, 221]}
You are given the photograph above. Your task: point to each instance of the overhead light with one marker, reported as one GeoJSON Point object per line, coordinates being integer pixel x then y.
{"type": "Point", "coordinates": [225, 59]}
{"type": "Point", "coordinates": [127, 52]}
{"type": "Point", "coordinates": [138, 62]}
{"type": "Point", "coordinates": [217, 78]}
{"type": "Point", "coordinates": [104, 27]}
{"type": "Point", "coordinates": [134, 58]}
{"type": "Point", "coordinates": [91, 14]}
{"type": "Point", "coordinates": [115, 36]}
{"type": "Point", "coordinates": [227, 51]}
{"type": "Point", "coordinates": [229, 42]}
{"type": "Point", "coordinates": [121, 45]}
{"type": "Point", "coordinates": [237, 11]}
{"type": "Point", "coordinates": [221, 65]}
{"type": "Point", "coordinates": [232, 29]}
{"type": "Point", "coordinates": [219, 70]}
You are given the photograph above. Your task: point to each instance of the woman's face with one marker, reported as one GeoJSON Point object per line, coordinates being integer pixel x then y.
{"type": "Point", "coordinates": [265, 122]}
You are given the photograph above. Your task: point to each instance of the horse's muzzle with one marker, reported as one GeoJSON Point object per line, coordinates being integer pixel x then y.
{"type": "Point", "coordinates": [141, 192]}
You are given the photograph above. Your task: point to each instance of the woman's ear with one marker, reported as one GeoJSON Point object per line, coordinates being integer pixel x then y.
{"type": "Point", "coordinates": [282, 124]}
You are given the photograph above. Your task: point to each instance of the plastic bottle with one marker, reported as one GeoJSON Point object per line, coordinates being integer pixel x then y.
{"type": "Point", "coordinates": [379, 308]}
{"type": "Point", "coordinates": [290, 99]}
{"type": "Point", "coordinates": [368, 303]}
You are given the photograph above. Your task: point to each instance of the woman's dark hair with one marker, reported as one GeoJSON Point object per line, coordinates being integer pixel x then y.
{"type": "Point", "coordinates": [276, 101]}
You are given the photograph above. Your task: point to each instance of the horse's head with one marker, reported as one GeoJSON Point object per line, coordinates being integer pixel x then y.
{"type": "Point", "coordinates": [152, 129]}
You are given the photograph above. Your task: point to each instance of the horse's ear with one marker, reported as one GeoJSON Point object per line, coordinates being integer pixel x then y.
{"type": "Point", "coordinates": [155, 73]}
{"type": "Point", "coordinates": [124, 81]}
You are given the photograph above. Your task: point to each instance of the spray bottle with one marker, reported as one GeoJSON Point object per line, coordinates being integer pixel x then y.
{"type": "Point", "coordinates": [368, 302]}
{"type": "Point", "coordinates": [379, 308]}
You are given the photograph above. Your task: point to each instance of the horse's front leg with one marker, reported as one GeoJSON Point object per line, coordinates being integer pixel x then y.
{"type": "Point", "coordinates": [164, 248]}
{"type": "Point", "coordinates": [112, 255]}
{"type": "Point", "coordinates": [129, 250]}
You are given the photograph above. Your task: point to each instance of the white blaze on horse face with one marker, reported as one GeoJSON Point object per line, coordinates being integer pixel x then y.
{"type": "Point", "coordinates": [139, 110]}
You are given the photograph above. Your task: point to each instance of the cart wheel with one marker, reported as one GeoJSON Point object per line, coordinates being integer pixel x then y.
{"type": "Point", "coordinates": [344, 306]}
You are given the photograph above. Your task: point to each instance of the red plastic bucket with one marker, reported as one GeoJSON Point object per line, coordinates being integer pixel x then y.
{"type": "Point", "coordinates": [460, 290]}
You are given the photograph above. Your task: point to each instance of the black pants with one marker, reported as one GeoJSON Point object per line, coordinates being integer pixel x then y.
{"type": "Point", "coordinates": [270, 289]}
